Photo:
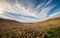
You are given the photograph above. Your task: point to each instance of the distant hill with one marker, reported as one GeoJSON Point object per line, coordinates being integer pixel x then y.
{"type": "Point", "coordinates": [14, 29]}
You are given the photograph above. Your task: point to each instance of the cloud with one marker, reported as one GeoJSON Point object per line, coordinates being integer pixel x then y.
{"type": "Point", "coordinates": [47, 3]}
{"type": "Point", "coordinates": [22, 18]}
{"type": "Point", "coordinates": [23, 11]}
{"type": "Point", "coordinates": [54, 15]}
{"type": "Point", "coordinates": [16, 8]}
{"type": "Point", "coordinates": [40, 5]}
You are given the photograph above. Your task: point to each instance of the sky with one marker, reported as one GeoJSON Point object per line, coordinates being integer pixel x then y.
{"type": "Point", "coordinates": [29, 11]}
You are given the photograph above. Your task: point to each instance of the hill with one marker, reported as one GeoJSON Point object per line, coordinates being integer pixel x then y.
{"type": "Point", "coordinates": [14, 29]}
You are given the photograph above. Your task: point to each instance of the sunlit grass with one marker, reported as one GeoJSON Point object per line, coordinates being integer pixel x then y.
{"type": "Point", "coordinates": [46, 29]}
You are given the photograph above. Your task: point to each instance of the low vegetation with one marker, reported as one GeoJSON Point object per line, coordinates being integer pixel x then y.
{"type": "Point", "coordinates": [46, 29]}
{"type": "Point", "coordinates": [53, 33]}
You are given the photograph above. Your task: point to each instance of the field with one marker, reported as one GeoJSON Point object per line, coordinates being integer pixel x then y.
{"type": "Point", "coordinates": [46, 29]}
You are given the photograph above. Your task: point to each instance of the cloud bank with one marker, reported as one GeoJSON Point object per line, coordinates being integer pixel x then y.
{"type": "Point", "coordinates": [27, 11]}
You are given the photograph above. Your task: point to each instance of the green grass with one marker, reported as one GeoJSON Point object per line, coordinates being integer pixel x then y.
{"type": "Point", "coordinates": [53, 33]}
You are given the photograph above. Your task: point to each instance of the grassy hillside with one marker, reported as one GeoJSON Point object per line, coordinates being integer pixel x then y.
{"type": "Point", "coordinates": [14, 29]}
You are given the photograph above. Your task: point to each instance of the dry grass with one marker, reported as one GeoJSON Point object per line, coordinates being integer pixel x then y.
{"type": "Point", "coordinates": [13, 29]}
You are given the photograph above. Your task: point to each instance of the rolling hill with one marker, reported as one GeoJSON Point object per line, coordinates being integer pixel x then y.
{"type": "Point", "coordinates": [14, 29]}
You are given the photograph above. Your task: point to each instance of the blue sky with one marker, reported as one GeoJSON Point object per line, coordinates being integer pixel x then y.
{"type": "Point", "coordinates": [29, 10]}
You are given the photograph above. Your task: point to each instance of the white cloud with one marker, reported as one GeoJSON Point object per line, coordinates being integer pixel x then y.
{"type": "Point", "coordinates": [39, 6]}
{"type": "Point", "coordinates": [18, 8]}
{"type": "Point", "coordinates": [54, 15]}
{"type": "Point", "coordinates": [43, 13]}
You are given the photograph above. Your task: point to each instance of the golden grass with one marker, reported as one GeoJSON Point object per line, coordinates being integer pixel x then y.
{"type": "Point", "coordinates": [13, 29]}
